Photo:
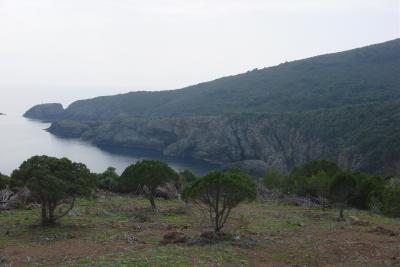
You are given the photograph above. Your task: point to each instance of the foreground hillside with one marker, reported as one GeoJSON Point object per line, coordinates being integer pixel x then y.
{"type": "Point", "coordinates": [116, 230]}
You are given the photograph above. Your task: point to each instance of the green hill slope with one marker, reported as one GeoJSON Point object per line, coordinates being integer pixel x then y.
{"type": "Point", "coordinates": [359, 76]}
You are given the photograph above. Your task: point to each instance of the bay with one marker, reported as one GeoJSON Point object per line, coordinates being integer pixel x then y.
{"type": "Point", "coordinates": [21, 138]}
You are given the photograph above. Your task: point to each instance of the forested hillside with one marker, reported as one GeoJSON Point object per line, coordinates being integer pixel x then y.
{"type": "Point", "coordinates": [359, 76]}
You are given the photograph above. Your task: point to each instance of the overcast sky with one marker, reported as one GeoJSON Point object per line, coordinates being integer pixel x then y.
{"type": "Point", "coordinates": [54, 50]}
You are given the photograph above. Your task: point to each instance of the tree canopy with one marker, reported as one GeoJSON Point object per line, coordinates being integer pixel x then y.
{"type": "Point", "coordinates": [53, 182]}
{"type": "Point", "coordinates": [145, 177]}
{"type": "Point", "coordinates": [108, 180]}
{"type": "Point", "coordinates": [220, 192]}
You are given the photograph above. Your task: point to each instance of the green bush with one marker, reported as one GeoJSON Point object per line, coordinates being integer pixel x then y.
{"type": "Point", "coordinates": [108, 180]}
{"type": "Point", "coordinates": [220, 192]}
{"type": "Point", "coordinates": [313, 178]}
{"type": "Point", "coordinates": [368, 189]}
{"type": "Point", "coordinates": [53, 182]}
{"type": "Point", "coordinates": [274, 179]}
{"type": "Point", "coordinates": [391, 198]}
{"type": "Point", "coordinates": [145, 177]}
{"type": "Point", "coordinates": [186, 178]}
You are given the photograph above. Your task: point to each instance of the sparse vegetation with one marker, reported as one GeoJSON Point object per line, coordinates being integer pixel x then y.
{"type": "Point", "coordinates": [121, 231]}
{"type": "Point", "coordinates": [112, 228]}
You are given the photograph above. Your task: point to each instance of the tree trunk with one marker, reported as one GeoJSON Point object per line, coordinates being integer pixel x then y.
{"type": "Point", "coordinates": [217, 227]}
{"type": "Point", "coordinates": [45, 220]}
{"type": "Point", "coordinates": [216, 222]}
{"type": "Point", "coordinates": [341, 216]}
{"type": "Point", "coordinates": [152, 202]}
{"type": "Point", "coordinates": [52, 218]}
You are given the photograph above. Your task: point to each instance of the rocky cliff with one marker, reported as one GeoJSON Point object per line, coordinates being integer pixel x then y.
{"type": "Point", "coordinates": [346, 136]}
{"type": "Point", "coordinates": [46, 112]}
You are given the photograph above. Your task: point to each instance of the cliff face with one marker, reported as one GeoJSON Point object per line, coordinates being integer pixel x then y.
{"type": "Point", "coordinates": [282, 141]}
{"type": "Point", "coordinates": [46, 112]}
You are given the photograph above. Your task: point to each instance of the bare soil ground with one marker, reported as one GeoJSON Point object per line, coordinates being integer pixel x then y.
{"type": "Point", "coordinates": [123, 231]}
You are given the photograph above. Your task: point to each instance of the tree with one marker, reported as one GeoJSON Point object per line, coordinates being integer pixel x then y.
{"type": "Point", "coordinates": [391, 198]}
{"type": "Point", "coordinates": [301, 176]}
{"type": "Point", "coordinates": [108, 180]}
{"type": "Point", "coordinates": [220, 192]}
{"type": "Point", "coordinates": [145, 177]}
{"type": "Point", "coordinates": [368, 188]}
{"type": "Point", "coordinates": [274, 179]}
{"type": "Point", "coordinates": [53, 182]}
{"type": "Point", "coordinates": [342, 188]}
{"type": "Point", "coordinates": [186, 177]}
{"type": "Point", "coordinates": [314, 167]}
{"type": "Point", "coordinates": [319, 185]}
{"type": "Point", "coordinates": [4, 181]}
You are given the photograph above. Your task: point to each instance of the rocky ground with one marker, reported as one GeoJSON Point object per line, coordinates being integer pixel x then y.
{"type": "Point", "coordinates": [121, 231]}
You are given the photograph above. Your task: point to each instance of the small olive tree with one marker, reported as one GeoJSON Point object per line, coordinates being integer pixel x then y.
{"type": "Point", "coordinates": [341, 191]}
{"type": "Point", "coordinates": [53, 182]}
{"type": "Point", "coordinates": [220, 192]}
{"type": "Point", "coordinates": [319, 185]}
{"type": "Point", "coordinates": [145, 177]}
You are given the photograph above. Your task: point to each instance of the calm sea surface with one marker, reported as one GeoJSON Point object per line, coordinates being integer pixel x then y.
{"type": "Point", "coordinates": [22, 138]}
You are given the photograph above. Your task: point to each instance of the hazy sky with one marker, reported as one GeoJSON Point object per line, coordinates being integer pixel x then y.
{"type": "Point", "coordinates": [54, 50]}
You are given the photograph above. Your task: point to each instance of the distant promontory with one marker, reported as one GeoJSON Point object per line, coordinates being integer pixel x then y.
{"type": "Point", "coordinates": [46, 112]}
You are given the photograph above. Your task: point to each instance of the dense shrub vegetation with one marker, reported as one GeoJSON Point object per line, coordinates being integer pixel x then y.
{"type": "Point", "coordinates": [327, 182]}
